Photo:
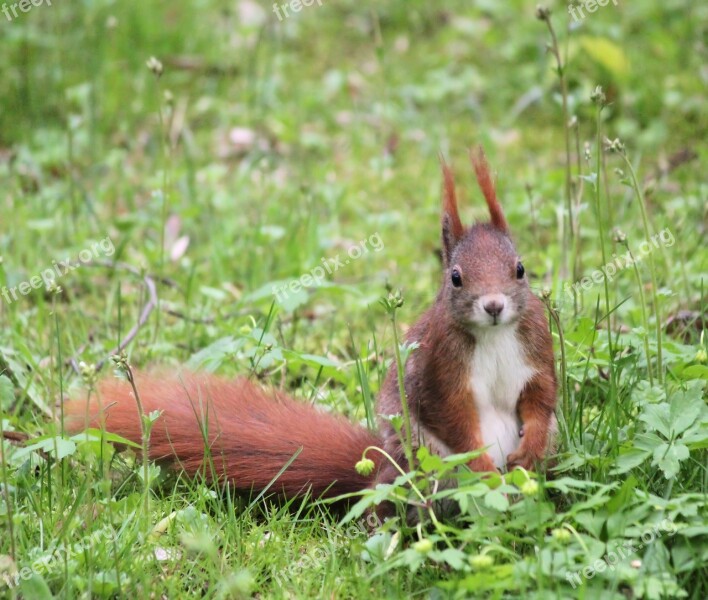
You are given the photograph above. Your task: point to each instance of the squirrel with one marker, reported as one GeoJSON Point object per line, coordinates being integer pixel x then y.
{"type": "Point", "coordinates": [481, 377]}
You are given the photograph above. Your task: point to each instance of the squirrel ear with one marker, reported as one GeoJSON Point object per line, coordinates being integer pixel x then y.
{"type": "Point", "coordinates": [484, 179]}
{"type": "Point", "coordinates": [452, 229]}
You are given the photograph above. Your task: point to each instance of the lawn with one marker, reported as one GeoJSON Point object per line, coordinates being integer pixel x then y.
{"type": "Point", "coordinates": [172, 172]}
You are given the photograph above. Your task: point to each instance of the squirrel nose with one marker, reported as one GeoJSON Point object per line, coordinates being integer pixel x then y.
{"type": "Point", "coordinates": [494, 308]}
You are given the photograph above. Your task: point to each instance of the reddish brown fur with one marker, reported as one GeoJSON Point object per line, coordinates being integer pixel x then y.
{"type": "Point", "coordinates": [437, 391]}
{"type": "Point", "coordinates": [250, 433]}
{"type": "Point", "coordinates": [450, 201]}
{"type": "Point", "coordinates": [537, 403]}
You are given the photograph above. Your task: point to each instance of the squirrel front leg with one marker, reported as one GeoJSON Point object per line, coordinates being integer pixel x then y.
{"type": "Point", "coordinates": [536, 410]}
{"type": "Point", "coordinates": [483, 462]}
{"type": "Point", "coordinates": [457, 425]}
{"type": "Point", "coordinates": [451, 431]}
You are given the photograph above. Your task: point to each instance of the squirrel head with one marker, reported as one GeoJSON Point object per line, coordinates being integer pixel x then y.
{"type": "Point", "coordinates": [484, 283]}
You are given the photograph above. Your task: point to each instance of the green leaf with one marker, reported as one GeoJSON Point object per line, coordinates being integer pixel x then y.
{"type": "Point", "coordinates": [368, 498]}
{"type": "Point", "coordinates": [462, 458]}
{"type": "Point", "coordinates": [23, 367]}
{"type": "Point", "coordinates": [623, 497]}
{"type": "Point", "coordinates": [645, 394]}
{"type": "Point", "coordinates": [668, 458]}
{"type": "Point", "coordinates": [496, 500]}
{"type": "Point", "coordinates": [695, 372]}
{"type": "Point", "coordinates": [211, 357]}
{"type": "Point", "coordinates": [628, 459]}
{"type": "Point", "coordinates": [568, 484]}
{"type": "Point", "coordinates": [7, 392]}
{"type": "Point", "coordinates": [499, 577]}
{"type": "Point", "coordinates": [428, 462]}
{"type": "Point", "coordinates": [658, 418]}
{"type": "Point", "coordinates": [451, 556]}
{"type": "Point", "coordinates": [685, 408]}
{"type": "Point", "coordinates": [375, 547]}
{"type": "Point", "coordinates": [36, 588]}
{"type": "Point", "coordinates": [95, 435]}
{"type": "Point", "coordinates": [696, 438]}
{"type": "Point", "coordinates": [57, 446]}
{"type": "Point", "coordinates": [572, 461]}
{"type": "Point", "coordinates": [607, 54]}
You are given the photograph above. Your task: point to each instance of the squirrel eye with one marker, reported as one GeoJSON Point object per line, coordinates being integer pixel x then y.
{"type": "Point", "coordinates": [456, 278]}
{"type": "Point", "coordinates": [520, 270]}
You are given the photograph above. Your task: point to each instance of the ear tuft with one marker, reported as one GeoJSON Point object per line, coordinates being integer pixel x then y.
{"type": "Point", "coordinates": [484, 179]}
{"type": "Point", "coordinates": [452, 229]}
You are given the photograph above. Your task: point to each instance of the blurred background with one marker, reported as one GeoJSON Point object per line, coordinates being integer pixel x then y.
{"type": "Point", "coordinates": [274, 137]}
{"type": "Point", "coordinates": [328, 119]}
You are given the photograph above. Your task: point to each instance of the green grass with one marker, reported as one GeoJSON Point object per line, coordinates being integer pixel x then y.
{"type": "Point", "coordinates": [343, 109]}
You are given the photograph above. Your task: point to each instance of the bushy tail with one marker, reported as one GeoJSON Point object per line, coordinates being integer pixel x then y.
{"type": "Point", "coordinates": [249, 433]}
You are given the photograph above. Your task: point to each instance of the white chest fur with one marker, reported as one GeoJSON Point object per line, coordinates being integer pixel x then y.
{"type": "Point", "coordinates": [498, 373]}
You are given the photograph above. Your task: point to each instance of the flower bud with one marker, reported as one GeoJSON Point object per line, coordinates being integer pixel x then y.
{"type": "Point", "coordinates": [423, 546]}
{"type": "Point", "coordinates": [561, 534]}
{"type": "Point", "coordinates": [365, 467]}
{"type": "Point", "coordinates": [529, 488]}
{"type": "Point", "coordinates": [481, 561]}
{"type": "Point", "coordinates": [155, 66]}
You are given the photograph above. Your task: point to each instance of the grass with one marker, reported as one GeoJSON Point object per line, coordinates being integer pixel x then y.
{"type": "Point", "coordinates": [265, 146]}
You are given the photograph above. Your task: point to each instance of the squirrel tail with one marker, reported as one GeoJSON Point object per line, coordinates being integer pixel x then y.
{"type": "Point", "coordinates": [249, 434]}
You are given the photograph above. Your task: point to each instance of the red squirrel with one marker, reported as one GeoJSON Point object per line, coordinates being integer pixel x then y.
{"type": "Point", "coordinates": [482, 376]}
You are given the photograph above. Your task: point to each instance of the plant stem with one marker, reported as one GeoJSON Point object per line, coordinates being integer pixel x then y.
{"type": "Point", "coordinates": [652, 269]}
{"type": "Point", "coordinates": [407, 442]}
{"type": "Point", "coordinates": [561, 340]}
{"type": "Point", "coordinates": [579, 189]}
{"type": "Point", "coordinates": [601, 231]}
{"type": "Point", "coordinates": [144, 435]}
{"type": "Point", "coordinates": [6, 490]}
{"type": "Point", "coordinates": [568, 237]}
{"type": "Point", "coordinates": [395, 466]}
{"type": "Point", "coordinates": [645, 320]}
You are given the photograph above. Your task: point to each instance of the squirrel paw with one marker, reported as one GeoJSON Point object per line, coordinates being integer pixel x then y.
{"type": "Point", "coordinates": [523, 458]}
{"type": "Point", "coordinates": [483, 463]}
